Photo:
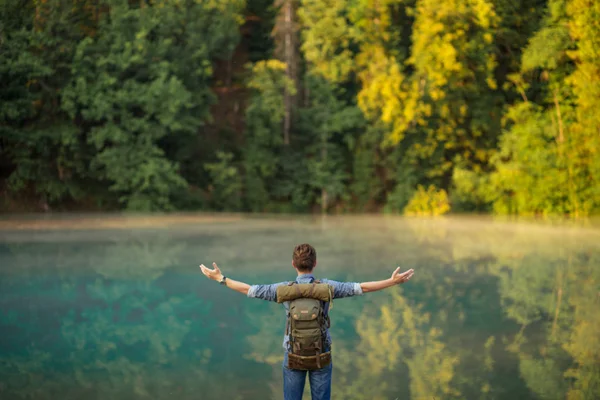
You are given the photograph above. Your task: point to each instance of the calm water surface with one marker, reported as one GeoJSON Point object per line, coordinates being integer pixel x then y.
{"type": "Point", "coordinates": [495, 310]}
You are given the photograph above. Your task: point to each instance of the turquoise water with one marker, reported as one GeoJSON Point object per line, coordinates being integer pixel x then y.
{"type": "Point", "coordinates": [495, 310]}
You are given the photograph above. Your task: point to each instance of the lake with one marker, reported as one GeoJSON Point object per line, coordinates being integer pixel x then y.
{"type": "Point", "coordinates": [113, 307]}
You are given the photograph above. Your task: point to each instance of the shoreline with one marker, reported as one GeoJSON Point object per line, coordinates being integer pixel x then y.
{"type": "Point", "coordinates": [103, 221]}
{"type": "Point", "coordinates": [68, 221]}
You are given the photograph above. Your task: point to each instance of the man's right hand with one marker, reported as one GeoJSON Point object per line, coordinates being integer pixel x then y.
{"type": "Point", "coordinates": [214, 274]}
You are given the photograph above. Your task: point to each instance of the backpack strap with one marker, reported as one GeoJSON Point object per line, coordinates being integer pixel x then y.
{"type": "Point", "coordinates": [323, 335]}
{"type": "Point", "coordinates": [288, 328]}
{"type": "Point", "coordinates": [288, 332]}
{"type": "Point", "coordinates": [318, 350]}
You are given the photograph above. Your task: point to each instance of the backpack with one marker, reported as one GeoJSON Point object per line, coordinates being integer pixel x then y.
{"type": "Point", "coordinates": [307, 323]}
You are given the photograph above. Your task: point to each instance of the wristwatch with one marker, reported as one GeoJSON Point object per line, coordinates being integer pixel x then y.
{"type": "Point", "coordinates": [223, 279]}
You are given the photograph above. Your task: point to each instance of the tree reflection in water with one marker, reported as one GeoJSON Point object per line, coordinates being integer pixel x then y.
{"type": "Point", "coordinates": [496, 310]}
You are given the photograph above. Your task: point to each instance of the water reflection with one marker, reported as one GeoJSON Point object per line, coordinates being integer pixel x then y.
{"type": "Point", "coordinates": [497, 310]}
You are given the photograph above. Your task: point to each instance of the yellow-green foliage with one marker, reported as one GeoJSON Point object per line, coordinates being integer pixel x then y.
{"type": "Point", "coordinates": [547, 162]}
{"type": "Point", "coordinates": [432, 201]}
{"type": "Point", "coordinates": [350, 104]}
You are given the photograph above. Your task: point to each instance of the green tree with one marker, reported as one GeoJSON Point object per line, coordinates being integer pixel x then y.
{"type": "Point", "coordinates": [38, 40]}
{"type": "Point", "coordinates": [227, 183]}
{"type": "Point", "coordinates": [546, 162]}
{"type": "Point", "coordinates": [328, 123]}
{"type": "Point", "coordinates": [264, 116]}
{"type": "Point", "coordinates": [133, 87]}
{"type": "Point", "coordinates": [327, 38]}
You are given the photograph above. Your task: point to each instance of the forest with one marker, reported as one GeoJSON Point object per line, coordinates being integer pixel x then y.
{"type": "Point", "coordinates": [292, 106]}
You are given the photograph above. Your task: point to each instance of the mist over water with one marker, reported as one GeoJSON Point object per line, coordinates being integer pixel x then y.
{"type": "Point", "coordinates": [109, 307]}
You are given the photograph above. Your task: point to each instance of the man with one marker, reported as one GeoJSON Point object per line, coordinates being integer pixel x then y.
{"type": "Point", "coordinates": [304, 261]}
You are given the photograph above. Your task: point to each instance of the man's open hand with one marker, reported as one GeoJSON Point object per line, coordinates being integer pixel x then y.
{"type": "Point", "coordinates": [214, 274]}
{"type": "Point", "coordinates": [398, 277]}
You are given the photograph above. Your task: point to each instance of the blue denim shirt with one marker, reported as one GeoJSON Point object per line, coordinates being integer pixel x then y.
{"type": "Point", "coordinates": [341, 290]}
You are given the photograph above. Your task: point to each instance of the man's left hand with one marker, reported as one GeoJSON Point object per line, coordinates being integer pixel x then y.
{"type": "Point", "coordinates": [214, 274]}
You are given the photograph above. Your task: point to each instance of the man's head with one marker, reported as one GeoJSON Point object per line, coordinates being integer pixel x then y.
{"type": "Point", "coordinates": [305, 258]}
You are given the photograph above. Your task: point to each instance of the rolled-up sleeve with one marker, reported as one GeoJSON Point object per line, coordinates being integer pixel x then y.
{"type": "Point", "coordinates": [345, 289]}
{"type": "Point", "coordinates": [264, 292]}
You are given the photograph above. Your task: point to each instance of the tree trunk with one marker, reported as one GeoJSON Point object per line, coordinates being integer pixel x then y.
{"type": "Point", "coordinates": [306, 94]}
{"type": "Point", "coordinates": [324, 197]}
{"type": "Point", "coordinates": [286, 50]}
{"type": "Point", "coordinates": [568, 161]}
{"type": "Point", "coordinates": [561, 137]}
{"type": "Point", "coordinates": [559, 292]}
{"type": "Point", "coordinates": [289, 60]}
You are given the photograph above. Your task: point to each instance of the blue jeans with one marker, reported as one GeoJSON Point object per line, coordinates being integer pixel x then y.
{"type": "Point", "coordinates": [294, 380]}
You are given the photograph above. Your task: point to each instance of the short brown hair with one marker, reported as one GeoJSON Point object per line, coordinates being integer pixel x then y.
{"type": "Point", "coordinates": [305, 257]}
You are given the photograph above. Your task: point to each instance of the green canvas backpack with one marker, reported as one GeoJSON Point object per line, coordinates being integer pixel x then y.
{"type": "Point", "coordinates": [306, 323]}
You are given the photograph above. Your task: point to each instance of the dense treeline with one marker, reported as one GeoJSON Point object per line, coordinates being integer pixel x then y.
{"type": "Point", "coordinates": [415, 106]}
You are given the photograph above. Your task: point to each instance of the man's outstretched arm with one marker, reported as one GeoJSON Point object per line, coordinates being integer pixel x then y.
{"type": "Point", "coordinates": [216, 275]}
{"type": "Point", "coordinates": [396, 279]}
